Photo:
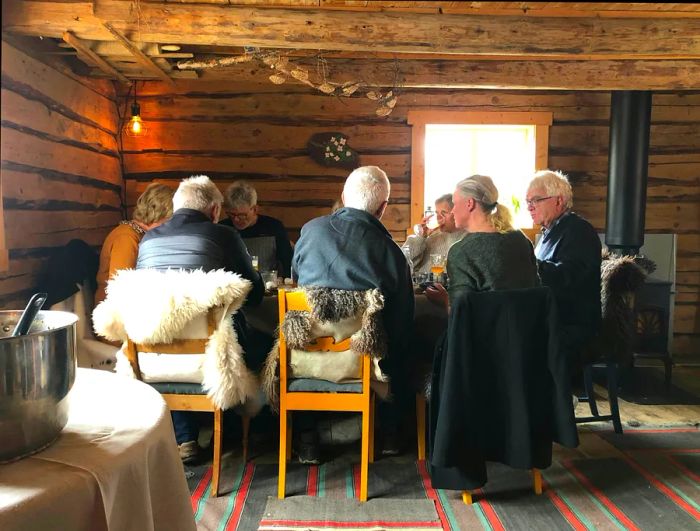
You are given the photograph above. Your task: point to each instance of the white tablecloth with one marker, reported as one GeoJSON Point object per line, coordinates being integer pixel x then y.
{"type": "Point", "coordinates": [114, 467]}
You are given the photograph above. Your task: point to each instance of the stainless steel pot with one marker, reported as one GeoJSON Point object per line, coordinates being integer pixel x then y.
{"type": "Point", "coordinates": [36, 373]}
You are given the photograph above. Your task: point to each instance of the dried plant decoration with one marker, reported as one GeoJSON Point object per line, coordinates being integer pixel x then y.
{"type": "Point", "coordinates": [326, 88]}
{"type": "Point", "coordinates": [349, 90]}
{"type": "Point", "coordinates": [284, 68]}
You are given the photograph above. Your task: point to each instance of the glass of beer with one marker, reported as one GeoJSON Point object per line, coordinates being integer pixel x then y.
{"type": "Point", "coordinates": [437, 265]}
{"type": "Point", "coordinates": [254, 260]}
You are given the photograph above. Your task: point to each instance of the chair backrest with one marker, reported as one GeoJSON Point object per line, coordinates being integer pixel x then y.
{"type": "Point", "coordinates": [178, 346]}
{"type": "Point", "coordinates": [296, 301]}
{"type": "Point", "coordinates": [531, 234]}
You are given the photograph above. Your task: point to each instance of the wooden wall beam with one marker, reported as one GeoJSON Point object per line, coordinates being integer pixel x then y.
{"type": "Point", "coordinates": [83, 49]}
{"type": "Point", "coordinates": [142, 58]}
{"type": "Point", "coordinates": [230, 25]}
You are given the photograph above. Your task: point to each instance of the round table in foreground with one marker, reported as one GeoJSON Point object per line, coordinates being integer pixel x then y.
{"type": "Point", "coordinates": [114, 467]}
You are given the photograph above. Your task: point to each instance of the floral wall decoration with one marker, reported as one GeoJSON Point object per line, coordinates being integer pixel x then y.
{"type": "Point", "coordinates": [332, 149]}
{"type": "Point", "coordinates": [283, 68]}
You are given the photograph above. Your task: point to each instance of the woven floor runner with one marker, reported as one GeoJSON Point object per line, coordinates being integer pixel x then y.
{"type": "Point", "coordinates": [644, 479]}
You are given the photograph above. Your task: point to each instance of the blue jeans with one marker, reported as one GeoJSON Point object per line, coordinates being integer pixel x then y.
{"type": "Point", "coordinates": [187, 424]}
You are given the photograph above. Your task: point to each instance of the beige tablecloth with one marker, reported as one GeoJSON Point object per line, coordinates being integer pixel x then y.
{"type": "Point", "coordinates": [114, 467]}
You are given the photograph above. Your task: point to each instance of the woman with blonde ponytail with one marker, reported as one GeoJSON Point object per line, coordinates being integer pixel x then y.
{"type": "Point", "coordinates": [492, 255]}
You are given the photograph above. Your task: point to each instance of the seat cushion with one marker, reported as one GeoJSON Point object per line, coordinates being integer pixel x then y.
{"type": "Point", "coordinates": [178, 388]}
{"type": "Point", "coordinates": [322, 386]}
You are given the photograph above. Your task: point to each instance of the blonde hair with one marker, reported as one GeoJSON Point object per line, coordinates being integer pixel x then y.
{"type": "Point", "coordinates": [366, 188]}
{"type": "Point", "coordinates": [198, 193]}
{"type": "Point", "coordinates": [554, 183]}
{"type": "Point", "coordinates": [154, 204]}
{"type": "Point", "coordinates": [485, 193]}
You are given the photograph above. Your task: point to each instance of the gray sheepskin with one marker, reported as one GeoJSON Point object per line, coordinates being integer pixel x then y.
{"type": "Point", "coordinates": [329, 305]}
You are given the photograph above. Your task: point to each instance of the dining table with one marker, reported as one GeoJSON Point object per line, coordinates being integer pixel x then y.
{"type": "Point", "coordinates": [115, 466]}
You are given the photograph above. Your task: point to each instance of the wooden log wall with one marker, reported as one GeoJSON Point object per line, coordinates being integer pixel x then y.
{"type": "Point", "coordinates": [61, 173]}
{"type": "Point", "coordinates": [260, 133]}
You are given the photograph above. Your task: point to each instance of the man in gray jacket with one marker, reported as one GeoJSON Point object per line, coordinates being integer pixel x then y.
{"type": "Point", "coordinates": [351, 250]}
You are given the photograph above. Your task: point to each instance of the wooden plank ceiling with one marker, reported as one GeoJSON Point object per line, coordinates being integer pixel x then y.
{"type": "Point", "coordinates": [334, 44]}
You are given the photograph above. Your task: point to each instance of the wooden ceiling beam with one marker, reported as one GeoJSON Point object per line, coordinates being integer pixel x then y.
{"type": "Point", "coordinates": [532, 75]}
{"type": "Point", "coordinates": [140, 57]}
{"type": "Point", "coordinates": [85, 50]}
{"type": "Point", "coordinates": [388, 32]}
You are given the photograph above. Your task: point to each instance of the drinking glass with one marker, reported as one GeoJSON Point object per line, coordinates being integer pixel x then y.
{"type": "Point", "coordinates": [269, 279]}
{"type": "Point", "coordinates": [437, 264]}
{"type": "Point", "coordinates": [254, 259]}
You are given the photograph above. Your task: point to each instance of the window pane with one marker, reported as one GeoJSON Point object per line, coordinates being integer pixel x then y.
{"type": "Point", "coordinates": [506, 153]}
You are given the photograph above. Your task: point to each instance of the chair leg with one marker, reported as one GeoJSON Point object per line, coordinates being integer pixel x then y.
{"type": "Point", "coordinates": [588, 382]}
{"type": "Point", "coordinates": [285, 447]}
{"type": "Point", "coordinates": [216, 465]}
{"type": "Point", "coordinates": [289, 436]}
{"type": "Point", "coordinates": [420, 425]}
{"type": "Point", "coordinates": [246, 431]}
{"type": "Point", "coordinates": [467, 497]}
{"type": "Point", "coordinates": [372, 406]}
{"type": "Point", "coordinates": [612, 397]}
{"type": "Point", "coordinates": [668, 367]}
{"type": "Point", "coordinates": [364, 457]}
{"type": "Point", "coordinates": [537, 481]}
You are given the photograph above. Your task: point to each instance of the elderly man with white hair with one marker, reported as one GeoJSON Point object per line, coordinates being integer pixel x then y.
{"type": "Point", "coordinates": [568, 259]}
{"type": "Point", "coordinates": [351, 250]}
{"type": "Point", "coordinates": [191, 240]}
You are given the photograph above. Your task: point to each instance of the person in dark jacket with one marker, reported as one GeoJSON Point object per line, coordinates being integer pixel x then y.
{"type": "Point", "coordinates": [351, 250]}
{"type": "Point", "coordinates": [568, 260]}
{"type": "Point", "coordinates": [190, 240]}
{"type": "Point", "coordinates": [264, 236]}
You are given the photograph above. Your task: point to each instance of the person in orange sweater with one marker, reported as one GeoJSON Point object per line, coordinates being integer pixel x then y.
{"type": "Point", "coordinates": [121, 247]}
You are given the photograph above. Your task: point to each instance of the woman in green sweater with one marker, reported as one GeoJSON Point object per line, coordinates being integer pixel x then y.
{"type": "Point", "coordinates": [492, 255]}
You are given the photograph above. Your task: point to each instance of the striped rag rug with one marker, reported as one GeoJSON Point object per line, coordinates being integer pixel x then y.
{"type": "Point", "coordinates": [644, 479]}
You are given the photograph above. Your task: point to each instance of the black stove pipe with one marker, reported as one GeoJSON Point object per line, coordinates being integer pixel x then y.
{"type": "Point", "coordinates": [630, 118]}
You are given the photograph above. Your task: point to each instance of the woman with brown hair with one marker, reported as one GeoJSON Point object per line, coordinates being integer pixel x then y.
{"type": "Point", "coordinates": [121, 247]}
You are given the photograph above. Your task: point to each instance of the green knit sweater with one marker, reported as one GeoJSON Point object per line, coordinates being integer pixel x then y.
{"type": "Point", "coordinates": [487, 261]}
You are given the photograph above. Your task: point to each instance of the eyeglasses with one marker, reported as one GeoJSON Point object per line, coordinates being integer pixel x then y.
{"type": "Point", "coordinates": [536, 200]}
{"type": "Point", "coordinates": [241, 216]}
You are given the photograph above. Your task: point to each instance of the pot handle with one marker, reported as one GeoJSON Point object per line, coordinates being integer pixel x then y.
{"type": "Point", "coordinates": [28, 315]}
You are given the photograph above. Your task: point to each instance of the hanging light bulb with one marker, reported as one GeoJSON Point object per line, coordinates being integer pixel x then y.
{"type": "Point", "coordinates": [135, 125]}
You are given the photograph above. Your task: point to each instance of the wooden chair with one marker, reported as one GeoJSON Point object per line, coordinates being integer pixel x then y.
{"type": "Point", "coordinates": [420, 425]}
{"type": "Point", "coordinates": [303, 394]}
{"type": "Point", "coordinates": [189, 396]}
{"type": "Point", "coordinates": [531, 233]}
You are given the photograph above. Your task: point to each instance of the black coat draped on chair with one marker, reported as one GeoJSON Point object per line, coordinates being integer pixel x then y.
{"type": "Point", "coordinates": [500, 387]}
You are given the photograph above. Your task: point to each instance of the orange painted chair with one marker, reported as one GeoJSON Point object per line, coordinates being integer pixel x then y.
{"type": "Point", "coordinates": [304, 394]}
{"type": "Point", "coordinates": [189, 396]}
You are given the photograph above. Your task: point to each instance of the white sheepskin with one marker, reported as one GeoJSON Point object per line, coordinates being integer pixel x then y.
{"type": "Point", "coordinates": [150, 306]}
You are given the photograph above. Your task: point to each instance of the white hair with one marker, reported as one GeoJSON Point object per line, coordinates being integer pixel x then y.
{"type": "Point", "coordinates": [198, 193]}
{"type": "Point", "coordinates": [366, 188]}
{"type": "Point", "coordinates": [554, 183]}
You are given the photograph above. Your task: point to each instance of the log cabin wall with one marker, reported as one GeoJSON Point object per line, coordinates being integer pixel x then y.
{"type": "Point", "coordinates": [61, 173]}
{"type": "Point", "coordinates": [260, 133]}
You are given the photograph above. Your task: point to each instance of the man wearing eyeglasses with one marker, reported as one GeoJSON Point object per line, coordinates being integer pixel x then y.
{"type": "Point", "coordinates": [568, 260]}
{"type": "Point", "coordinates": [264, 236]}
